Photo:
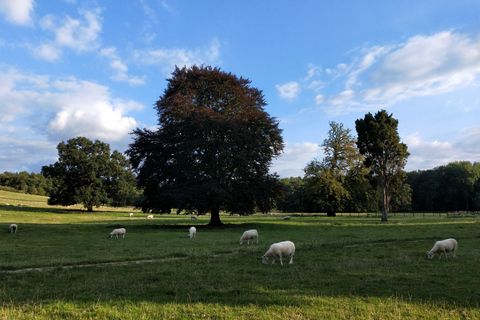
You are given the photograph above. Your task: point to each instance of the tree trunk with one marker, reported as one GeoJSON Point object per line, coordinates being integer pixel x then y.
{"type": "Point", "coordinates": [331, 214]}
{"type": "Point", "coordinates": [384, 201]}
{"type": "Point", "coordinates": [215, 217]}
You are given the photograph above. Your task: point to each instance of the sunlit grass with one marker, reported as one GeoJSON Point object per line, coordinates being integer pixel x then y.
{"type": "Point", "coordinates": [344, 267]}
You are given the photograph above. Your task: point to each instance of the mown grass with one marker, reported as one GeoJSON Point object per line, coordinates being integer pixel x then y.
{"type": "Point", "coordinates": [344, 267]}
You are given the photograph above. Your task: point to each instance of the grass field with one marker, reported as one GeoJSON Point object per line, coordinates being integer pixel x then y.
{"type": "Point", "coordinates": [61, 265]}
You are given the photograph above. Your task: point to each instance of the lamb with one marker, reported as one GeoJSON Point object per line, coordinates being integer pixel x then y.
{"type": "Point", "coordinates": [249, 234]}
{"type": "Point", "coordinates": [279, 250]}
{"type": "Point", "coordinates": [117, 232]}
{"type": "Point", "coordinates": [150, 216]}
{"type": "Point", "coordinates": [131, 214]}
{"type": "Point", "coordinates": [192, 232]}
{"type": "Point", "coordinates": [444, 246]}
{"type": "Point", "coordinates": [194, 217]}
{"type": "Point", "coordinates": [287, 218]}
{"type": "Point", "coordinates": [13, 228]}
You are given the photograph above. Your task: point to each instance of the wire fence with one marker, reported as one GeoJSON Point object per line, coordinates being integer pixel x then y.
{"type": "Point", "coordinates": [390, 214]}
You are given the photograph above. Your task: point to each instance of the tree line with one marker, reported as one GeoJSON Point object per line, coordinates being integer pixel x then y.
{"type": "Point", "coordinates": [448, 188]}
{"type": "Point", "coordinates": [452, 187]}
{"type": "Point", "coordinates": [212, 151]}
{"type": "Point", "coordinates": [24, 182]}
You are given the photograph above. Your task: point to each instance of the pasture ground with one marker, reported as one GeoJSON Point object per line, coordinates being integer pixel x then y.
{"type": "Point", "coordinates": [61, 265]}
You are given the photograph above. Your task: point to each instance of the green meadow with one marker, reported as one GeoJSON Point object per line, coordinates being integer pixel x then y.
{"type": "Point", "coordinates": [62, 265]}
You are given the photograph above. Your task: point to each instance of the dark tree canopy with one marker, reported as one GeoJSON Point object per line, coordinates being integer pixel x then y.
{"type": "Point", "coordinates": [453, 187]}
{"type": "Point", "coordinates": [385, 155]}
{"type": "Point", "coordinates": [87, 173]}
{"type": "Point", "coordinates": [213, 147]}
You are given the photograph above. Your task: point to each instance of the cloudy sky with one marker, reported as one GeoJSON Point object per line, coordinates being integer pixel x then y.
{"type": "Point", "coordinates": [91, 68]}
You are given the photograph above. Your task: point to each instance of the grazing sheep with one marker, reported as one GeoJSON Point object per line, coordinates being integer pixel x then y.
{"type": "Point", "coordinates": [192, 232]}
{"type": "Point", "coordinates": [194, 217]}
{"type": "Point", "coordinates": [130, 215]}
{"type": "Point", "coordinates": [150, 216]}
{"type": "Point", "coordinates": [444, 246]}
{"type": "Point", "coordinates": [117, 232]}
{"type": "Point", "coordinates": [13, 228]}
{"type": "Point", "coordinates": [287, 218]}
{"type": "Point", "coordinates": [249, 234]}
{"type": "Point", "coordinates": [279, 250]}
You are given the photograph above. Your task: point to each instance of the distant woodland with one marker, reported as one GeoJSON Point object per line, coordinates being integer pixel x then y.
{"type": "Point", "coordinates": [453, 187]}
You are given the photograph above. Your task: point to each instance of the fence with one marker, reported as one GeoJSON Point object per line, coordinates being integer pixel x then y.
{"type": "Point", "coordinates": [395, 214]}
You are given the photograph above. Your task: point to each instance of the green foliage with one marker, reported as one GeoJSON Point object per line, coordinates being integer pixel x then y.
{"type": "Point", "coordinates": [454, 187]}
{"type": "Point", "coordinates": [32, 183]}
{"type": "Point", "coordinates": [385, 155]}
{"type": "Point", "coordinates": [324, 191]}
{"type": "Point", "coordinates": [337, 183]}
{"type": "Point", "coordinates": [402, 200]}
{"type": "Point", "coordinates": [86, 173]}
{"type": "Point", "coordinates": [294, 190]}
{"type": "Point", "coordinates": [344, 267]}
{"type": "Point", "coordinates": [213, 148]}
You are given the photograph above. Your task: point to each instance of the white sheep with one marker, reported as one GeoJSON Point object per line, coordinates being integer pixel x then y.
{"type": "Point", "coordinates": [194, 217]}
{"type": "Point", "coordinates": [117, 232]}
{"type": "Point", "coordinates": [287, 218]}
{"type": "Point", "coordinates": [192, 232]}
{"type": "Point", "coordinates": [13, 228]}
{"type": "Point", "coordinates": [150, 216]}
{"type": "Point", "coordinates": [130, 215]}
{"type": "Point", "coordinates": [279, 250]}
{"type": "Point", "coordinates": [444, 246]}
{"type": "Point", "coordinates": [249, 234]}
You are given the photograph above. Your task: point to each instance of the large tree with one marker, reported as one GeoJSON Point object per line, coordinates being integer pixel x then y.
{"type": "Point", "coordinates": [385, 155]}
{"type": "Point", "coordinates": [326, 180]}
{"type": "Point", "coordinates": [87, 173]}
{"type": "Point", "coordinates": [212, 149]}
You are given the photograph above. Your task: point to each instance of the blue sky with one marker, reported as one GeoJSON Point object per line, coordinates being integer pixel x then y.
{"type": "Point", "coordinates": [95, 68]}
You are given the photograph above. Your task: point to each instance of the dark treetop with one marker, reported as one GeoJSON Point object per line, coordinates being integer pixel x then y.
{"type": "Point", "coordinates": [212, 149]}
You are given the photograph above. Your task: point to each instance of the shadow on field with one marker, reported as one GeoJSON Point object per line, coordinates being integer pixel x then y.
{"type": "Point", "coordinates": [334, 259]}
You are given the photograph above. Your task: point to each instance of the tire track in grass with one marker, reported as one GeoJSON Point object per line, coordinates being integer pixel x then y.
{"type": "Point", "coordinates": [104, 264]}
{"type": "Point", "coordinates": [126, 263]}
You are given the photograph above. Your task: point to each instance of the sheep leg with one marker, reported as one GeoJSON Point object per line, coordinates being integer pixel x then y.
{"type": "Point", "coordinates": [291, 259]}
{"type": "Point", "coordinates": [281, 262]}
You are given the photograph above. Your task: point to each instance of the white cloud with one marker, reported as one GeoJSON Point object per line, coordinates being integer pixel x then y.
{"type": "Point", "coordinates": [167, 59]}
{"type": "Point", "coordinates": [427, 66]}
{"type": "Point", "coordinates": [342, 98]}
{"type": "Point", "coordinates": [421, 66]}
{"type": "Point", "coordinates": [295, 158]}
{"type": "Point", "coordinates": [48, 110]}
{"type": "Point", "coordinates": [77, 34]}
{"type": "Point", "coordinates": [288, 90]}
{"type": "Point", "coordinates": [17, 11]}
{"type": "Point", "coordinates": [87, 109]}
{"type": "Point", "coordinates": [25, 154]}
{"type": "Point", "coordinates": [120, 68]}
{"type": "Point", "coordinates": [47, 51]}
{"type": "Point", "coordinates": [430, 154]}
